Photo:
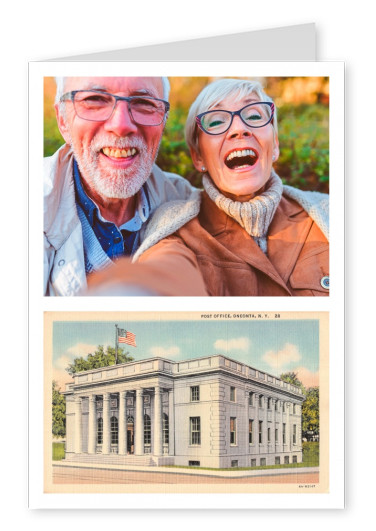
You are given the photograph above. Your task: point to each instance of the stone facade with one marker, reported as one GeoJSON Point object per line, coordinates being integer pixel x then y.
{"type": "Point", "coordinates": [209, 412]}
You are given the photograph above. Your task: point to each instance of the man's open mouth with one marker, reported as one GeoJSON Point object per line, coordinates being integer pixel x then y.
{"type": "Point", "coordinates": [241, 158]}
{"type": "Point", "coordinates": [116, 153]}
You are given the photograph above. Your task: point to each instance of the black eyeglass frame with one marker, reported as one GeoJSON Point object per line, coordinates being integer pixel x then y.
{"type": "Point", "coordinates": [71, 96]}
{"type": "Point", "coordinates": [236, 113]}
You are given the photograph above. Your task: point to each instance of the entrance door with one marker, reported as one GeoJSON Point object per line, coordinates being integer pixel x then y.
{"type": "Point", "coordinates": [130, 435]}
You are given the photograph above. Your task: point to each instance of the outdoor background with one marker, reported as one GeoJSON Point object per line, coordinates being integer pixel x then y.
{"type": "Point", "coordinates": [303, 126]}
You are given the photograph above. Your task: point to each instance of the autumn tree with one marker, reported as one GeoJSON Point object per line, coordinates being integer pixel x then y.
{"type": "Point", "coordinates": [100, 358]}
{"type": "Point", "coordinates": [58, 411]}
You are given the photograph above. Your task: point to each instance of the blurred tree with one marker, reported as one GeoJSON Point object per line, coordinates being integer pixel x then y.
{"type": "Point", "coordinates": [100, 358]}
{"type": "Point", "coordinates": [58, 411]}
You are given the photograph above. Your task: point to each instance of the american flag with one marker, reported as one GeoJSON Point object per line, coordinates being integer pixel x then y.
{"type": "Point", "coordinates": [126, 337]}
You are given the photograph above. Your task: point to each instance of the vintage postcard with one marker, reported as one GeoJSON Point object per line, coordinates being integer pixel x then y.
{"type": "Point", "coordinates": [202, 402]}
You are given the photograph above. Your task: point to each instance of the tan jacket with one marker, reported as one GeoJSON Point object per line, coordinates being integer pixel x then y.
{"type": "Point", "coordinates": [213, 255]}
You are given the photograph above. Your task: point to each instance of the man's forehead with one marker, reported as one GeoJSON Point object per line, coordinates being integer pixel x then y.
{"type": "Point", "coordinates": [115, 85]}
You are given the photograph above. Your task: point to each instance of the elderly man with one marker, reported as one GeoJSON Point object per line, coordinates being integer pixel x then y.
{"type": "Point", "coordinates": [102, 186]}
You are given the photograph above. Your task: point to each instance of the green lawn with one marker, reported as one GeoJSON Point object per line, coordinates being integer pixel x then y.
{"type": "Point", "coordinates": [58, 451]}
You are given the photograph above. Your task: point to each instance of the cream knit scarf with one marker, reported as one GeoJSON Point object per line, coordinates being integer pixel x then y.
{"type": "Point", "coordinates": [255, 215]}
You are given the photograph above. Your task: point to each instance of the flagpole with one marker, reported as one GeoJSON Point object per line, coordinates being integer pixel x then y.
{"type": "Point", "coordinates": [116, 344]}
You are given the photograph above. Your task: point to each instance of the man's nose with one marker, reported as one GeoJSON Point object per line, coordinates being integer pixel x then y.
{"type": "Point", "coordinates": [238, 128]}
{"type": "Point", "coordinates": [120, 121]}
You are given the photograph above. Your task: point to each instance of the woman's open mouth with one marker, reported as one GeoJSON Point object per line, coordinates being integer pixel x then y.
{"type": "Point", "coordinates": [241, 158]}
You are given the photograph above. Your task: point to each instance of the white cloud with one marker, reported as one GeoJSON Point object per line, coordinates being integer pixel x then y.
{"type": "Point", "coordinates": [163, 352]}
{"type": "Point", "coordinates": [278, 359]}
{"type": "Point", "coordinates": [307, 377]}
{"type": "Point", "coordinates": [236, 343]}
{"type": "Point", "coordinates": [76, 351]}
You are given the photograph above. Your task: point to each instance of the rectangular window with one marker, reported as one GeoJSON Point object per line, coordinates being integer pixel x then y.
{"type": "Point", "coordinates": [195, 393]}
{"type": "Point", "coordinates": [253, 462]}
{"type": "Point", "coordinates": [276, 405]}
{"type": "Point", "coordinates": [283, 407]}
{"type": "Point", "coordinates": [287, 460]}
{"type": "Point", "coordinates": [260, 431]}
{"type": "Point", "coordinates": [234, 464]}
{"type": "Point", "coordinates": [276, 435]}
{"type": "Point", "coordinates": [250, 438]}
{"type": "Point", "coordinates": [277, 460]}
{"type": "Point", "coordinates": [195, 430]}
{"type": "Point", "coordinates": [294, 458]}
{"type": "Point", "coordinates": [294, 409]}
{"type": "Point", "coordinates": [232, 430]}
{"type": "Point", "coordinates": [232, 394]}
{"type": "Point", "coordinates": [193, 463]}
{"type": "Point", "coordinates": [284, 433]}
{"type": "Point", "coordinates": [268, 435]}
{"type": "Point", "coordinates": [251, 399]}
{"type": "Point", "coordinates": [294, 434]}
{"type": "Point", "coordinates": [260, 400]}
{"type": "Point", "coordinates": [263, 461]}
{"type": "Point", "coordinates": [269, 403]}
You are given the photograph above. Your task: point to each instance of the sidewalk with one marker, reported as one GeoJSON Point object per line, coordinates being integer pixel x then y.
{"type": "Point", "coordinates": [193, 471]}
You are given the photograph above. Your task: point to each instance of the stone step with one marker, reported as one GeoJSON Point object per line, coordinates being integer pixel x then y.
{"type": "Point", "coordinates": [111, 459]}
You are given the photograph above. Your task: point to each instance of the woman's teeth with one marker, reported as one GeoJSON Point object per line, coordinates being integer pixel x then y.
{"type": "Point", "coordinates": [241, 158]}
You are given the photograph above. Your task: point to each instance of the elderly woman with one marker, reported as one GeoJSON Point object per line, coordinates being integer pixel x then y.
{"type": "Point", "coordinates": [247, 234]}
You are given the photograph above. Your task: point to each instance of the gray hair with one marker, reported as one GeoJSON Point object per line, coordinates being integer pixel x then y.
{"type": "Point", "coordinates": [216, 92]}
{"type": "Point", "coordinates": [60, 84]}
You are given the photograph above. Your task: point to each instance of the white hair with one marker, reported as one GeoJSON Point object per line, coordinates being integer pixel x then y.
{"type": "Point", "coordinates": [216, 92]}
{"type": "Point", "coordinates": [60, 85]}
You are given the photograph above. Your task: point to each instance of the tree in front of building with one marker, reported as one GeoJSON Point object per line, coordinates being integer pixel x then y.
{"type": "Point", "coordinates": [58, 411]}
{"type": "Point", "coordinates": [310, 407]}
{"type": "Point", "coordinates": [100, 358]}
{"type": "Point", "coordinates": [311, 413]}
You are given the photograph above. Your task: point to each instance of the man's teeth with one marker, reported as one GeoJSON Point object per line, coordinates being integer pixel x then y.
{"type": "Point", "coordinates": [241, 153]}
{"type": "Point", "coordinates": [119, 153]}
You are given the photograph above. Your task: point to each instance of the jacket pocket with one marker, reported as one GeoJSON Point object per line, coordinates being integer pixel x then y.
{"type": "Point", "coordinates": [311, 274]}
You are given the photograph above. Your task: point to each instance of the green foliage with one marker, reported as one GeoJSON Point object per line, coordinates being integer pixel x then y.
{"type": "Point", "coordinates": [311, 411]}
{"type": "Point", "coordinates": [100, 358]}
{"type": "Point", "coordinates": [58, 411]}
{"type": "Point", "coordinates": [304, 146]}
{"type": "Point", "coordinates": [58, 451]}
{"type": "Point", "coordinates": [292, 378]}
{"type": "Point", "coordinates": [311, 453]}
{"type": "Point", "coordinates": [52, 137]}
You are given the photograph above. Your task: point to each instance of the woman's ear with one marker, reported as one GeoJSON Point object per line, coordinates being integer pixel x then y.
{"type": "Point", "coordinates": [62, 125]}
{"type": "Point", "coordinates": [275, 148]}
{"type": "Point", "coordinates": [197, 160]}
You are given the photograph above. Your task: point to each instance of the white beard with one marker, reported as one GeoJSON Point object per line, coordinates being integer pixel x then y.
{"type": "Point", "coordinates": [115, 183]}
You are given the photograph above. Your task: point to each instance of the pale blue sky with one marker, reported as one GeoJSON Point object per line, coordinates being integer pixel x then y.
{"type": "Point", "coordinates": [274, 346]}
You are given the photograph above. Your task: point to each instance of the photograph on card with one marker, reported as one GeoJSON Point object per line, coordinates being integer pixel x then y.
{"type": "Point", "coordinates": [186, 186]}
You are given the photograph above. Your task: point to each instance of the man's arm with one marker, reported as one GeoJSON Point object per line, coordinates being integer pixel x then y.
{"type": "Point", "coordinates": [167, 269]}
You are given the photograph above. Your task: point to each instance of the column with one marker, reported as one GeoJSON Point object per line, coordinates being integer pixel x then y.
{"type": "Point", "coordinates": [288, 427]}
{"type": "Point", "coordinates": [106, 446]}
{"type": "Point", "coordinates": [122, 423]}
{"type": "Point", "coordinates": [256, 424]}
{"type": "Point", "coordinates": [78, 425]}
{"type": "Point", "coordinates": [92, 425]}
{"type": "Point", "coordinates": [157, 420]}
{"type": "Point", "coordinates": [246, 413]}
{"type": "Point", "coordinates": [272, 439]}
{"type": "Point", "coordinates": [171, 422]}
{"type": "Point", "coordinates": [139, 423]}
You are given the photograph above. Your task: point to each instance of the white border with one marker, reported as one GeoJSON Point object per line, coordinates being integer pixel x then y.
{"type": "Point", "coordinates": [334, 304]}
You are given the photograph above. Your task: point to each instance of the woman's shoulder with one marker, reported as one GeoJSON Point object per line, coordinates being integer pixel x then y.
{"type": "Point", "coordinates": [316, 204]}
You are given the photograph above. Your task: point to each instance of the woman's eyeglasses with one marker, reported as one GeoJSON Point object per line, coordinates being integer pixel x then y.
{"type": "Point", "coordinates": [254, 115]}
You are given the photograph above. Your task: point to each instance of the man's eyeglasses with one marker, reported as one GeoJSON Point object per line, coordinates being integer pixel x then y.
{"type": "Point", "coordinates": [98, 106]}
{"type": "Point", "coordinates": [253, 115]}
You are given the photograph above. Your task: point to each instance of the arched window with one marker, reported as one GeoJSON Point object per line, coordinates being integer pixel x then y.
{"type": "Point", "coordinates": [100, 431]}
{"type": "Point", "coordinates": [114, 430]}
{"type": "Point", "coordinates": [165, 428]}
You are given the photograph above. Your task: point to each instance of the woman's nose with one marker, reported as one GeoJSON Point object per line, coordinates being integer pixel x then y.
{"type": "Point", "coordinates": [238, 128]}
